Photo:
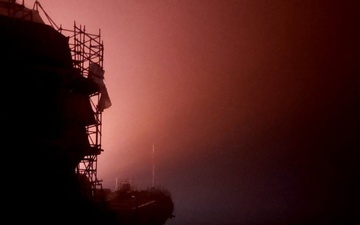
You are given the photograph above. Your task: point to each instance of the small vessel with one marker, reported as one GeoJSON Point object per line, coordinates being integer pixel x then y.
{"type": "Point", "coordinates": [151, 206]}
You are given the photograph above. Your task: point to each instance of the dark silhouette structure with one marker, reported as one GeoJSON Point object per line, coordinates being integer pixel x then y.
{"type": "Point", "coordinates": [53, 111]}
{"type": "Point", "coordinates": [53, 122]}
{"type": "Point", "coordinates": [151, 206]}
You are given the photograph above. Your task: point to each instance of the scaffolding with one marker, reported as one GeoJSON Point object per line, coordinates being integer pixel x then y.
{"type": "Point", "coordinates": [87, 49]}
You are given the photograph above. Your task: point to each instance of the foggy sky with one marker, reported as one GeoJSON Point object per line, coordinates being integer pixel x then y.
{"type": "Point", "coordinates": [252, 105]}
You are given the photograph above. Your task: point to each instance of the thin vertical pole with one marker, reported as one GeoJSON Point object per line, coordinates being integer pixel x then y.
{"type": "Point", "coordinates": [153, 166]}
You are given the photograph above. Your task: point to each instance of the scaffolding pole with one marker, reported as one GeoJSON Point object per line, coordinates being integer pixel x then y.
{"type": "Point", "coordinates": [86, 49]}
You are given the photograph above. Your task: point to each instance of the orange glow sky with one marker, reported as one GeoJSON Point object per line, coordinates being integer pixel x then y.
{"type": "Point", "coordinates": [249, 103]}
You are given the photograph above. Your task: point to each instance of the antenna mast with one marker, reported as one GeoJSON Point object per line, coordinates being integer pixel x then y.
{"type": "Point", "coordinates": [153, 166]}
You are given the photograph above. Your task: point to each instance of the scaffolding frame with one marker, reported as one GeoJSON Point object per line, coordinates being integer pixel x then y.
{"type": "Point", "coordinates": [87, 48]}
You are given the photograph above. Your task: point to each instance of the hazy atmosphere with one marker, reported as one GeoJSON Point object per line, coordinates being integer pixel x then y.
{"type": "Point", "coordinates": [252, 105]}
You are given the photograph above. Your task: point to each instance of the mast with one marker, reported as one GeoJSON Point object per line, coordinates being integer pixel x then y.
{"type": "Point", "coordinates": [153, 166]}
